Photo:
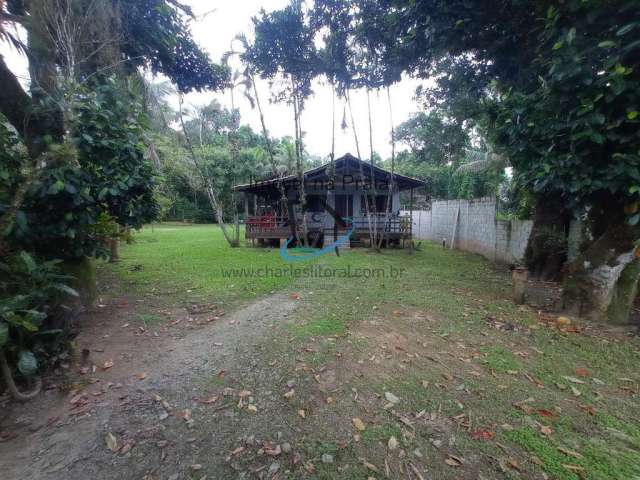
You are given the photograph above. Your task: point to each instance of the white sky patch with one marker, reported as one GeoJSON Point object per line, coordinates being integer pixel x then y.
{"type": "Point", "coordinates": [219, 21]}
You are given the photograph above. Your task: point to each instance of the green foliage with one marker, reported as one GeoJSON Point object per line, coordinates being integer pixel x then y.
{"type": "Point", "coordinates": [284, 44]}
{"type": "Point", "coordinates": [102, 171]}
{"type": "Point", "coordinates": [29, 289]}
{"type": "Point", "coordinates": [158, 36]}
{"type": "Point", "coordinates": [575, 131]}
{"type": "Point", "coordinates": [434, 139]}
{"type": "Point", "coordinates": [447, 182]}
{"type": "Point", "coordinates": [553, 83]}
{"type": "Point", "coordinates": [11, 159]}
{"type": "Point", "coordinates": [110, 130]}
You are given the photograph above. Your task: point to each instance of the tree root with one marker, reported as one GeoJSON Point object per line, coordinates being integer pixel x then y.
{"type": "Point", "coordinates": [11, 385]}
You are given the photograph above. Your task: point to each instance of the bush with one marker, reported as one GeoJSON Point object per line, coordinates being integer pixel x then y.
{"type": "Point", "coordinates": [32, 310]}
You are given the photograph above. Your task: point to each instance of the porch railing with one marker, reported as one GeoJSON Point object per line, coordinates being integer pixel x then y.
{"type": "Point", "coordinates": [276, 225]}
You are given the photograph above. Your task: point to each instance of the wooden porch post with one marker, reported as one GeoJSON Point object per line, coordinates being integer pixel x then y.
{"type": "Point", "coordinates": [411, 219]}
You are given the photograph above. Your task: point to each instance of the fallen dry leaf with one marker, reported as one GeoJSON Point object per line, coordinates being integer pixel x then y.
{"type": "Point", "coordinates": [210, 400]}
{"type": "Point", "coordinates": [575, 469]}
{"type": "Point", "coordinates": [359, 424]}
{"type": "Point", "coordinates": [237, 451]}
{"type": "Point", "coordinates": [570, 453]}
{"type": "Point", "coordinates": [513, 463]}
{"type": "Point", "coordinates": [573, 380]}
{"type": "Point", "coordinates": [111, 441]}
{"type": "Point", "coordinates": [545, 430]}
{"type": "Point", "coordinates": [370, 466]}
{"type": "Point", "coordinates": [483, 434]}
{"type": "Point", "coordinates": [273, 452]}
{"type": "Point", "coordinates": [582, 372]}
{"type": "Point", "coordinates": [545, 413]}
{"type": "Point", "coordinates": [453, 461]}
{"type": "Point", "coordinates": [590, 409]}
{"type": "Point", "coordinates": [129, 444]}
{"type": "Point", "coordinates": [302, 413]}
{"type": "Point", "coordinates": [107, 365]}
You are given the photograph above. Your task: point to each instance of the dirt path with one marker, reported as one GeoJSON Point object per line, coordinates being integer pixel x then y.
{"type": "Point", "coordinates": [155, 401]}
{"type": "Point", "coordinates": [276, 390]}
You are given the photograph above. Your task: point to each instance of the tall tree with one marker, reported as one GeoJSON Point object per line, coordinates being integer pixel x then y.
{"type": "Point", "coordinates": [554, 85]}
{"type": "Point", "coordinates": [284, 46]}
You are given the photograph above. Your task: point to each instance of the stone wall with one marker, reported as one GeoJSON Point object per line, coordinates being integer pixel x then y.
{"type": "Point", "coordinates": [472, 226]}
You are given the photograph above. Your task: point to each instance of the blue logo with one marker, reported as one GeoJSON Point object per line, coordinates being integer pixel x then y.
{"type": "Point", "coordinates": [307, 253]}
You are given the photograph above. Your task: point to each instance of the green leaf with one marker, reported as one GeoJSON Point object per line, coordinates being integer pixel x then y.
{"type": "Point", "coordinates": [27, 363]}
{"type": "Point", "coordinates": [4, 334]}
{"type": "Point", "coordinates": [28, 261]}
{"type": "Point", "coordinates": [632, 115]}
{"type": "Point", "coordinates": [607, 44]}
{"type": "Point", "coordinates": [34, 318]}
{"type": "Point", "coordinates": [56, 188]}
{"type": "Point", "coordinates": [21, 220]}
{"type": "Point", "coordinates": [626, 29]}
{"type": "Point", "coordinates": [634, 220]}
{"type": "Point", "coordinates": [558, 45]}
{"type": "Point", "coordinates": [66, 289]}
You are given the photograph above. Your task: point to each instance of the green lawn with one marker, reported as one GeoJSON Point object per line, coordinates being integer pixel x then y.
{"type": "Point", "coordinates": [431, 334]}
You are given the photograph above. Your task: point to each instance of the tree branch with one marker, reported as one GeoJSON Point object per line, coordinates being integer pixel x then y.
{"type": "Point", "coordinates": [15, 103]}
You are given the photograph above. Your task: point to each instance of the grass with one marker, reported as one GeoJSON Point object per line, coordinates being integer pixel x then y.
{"type": "Point", "coordinates": [320, 327]}
{"type": "Point", "coordinates": [432, 323]}
{"type": "Point", "coordinates": [150, 319]}
{"type": "Point", "coordinates": [501, 360]}
{"type": "Point", "coordinates": [192, 263]}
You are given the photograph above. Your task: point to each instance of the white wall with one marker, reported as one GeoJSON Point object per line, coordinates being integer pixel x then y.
{"type": "Point", "coordinates": [476, 228]}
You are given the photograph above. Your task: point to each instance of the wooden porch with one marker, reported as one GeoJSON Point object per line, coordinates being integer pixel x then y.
{"type": "Point", "coordinates": [321, 229]}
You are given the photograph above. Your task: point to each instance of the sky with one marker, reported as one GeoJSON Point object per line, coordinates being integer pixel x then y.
{"type": "Point", "coordinates": [218, 22]}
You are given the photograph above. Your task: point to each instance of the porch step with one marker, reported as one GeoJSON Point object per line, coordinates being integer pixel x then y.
{"type": "Point", "coordinates": [329, 239]}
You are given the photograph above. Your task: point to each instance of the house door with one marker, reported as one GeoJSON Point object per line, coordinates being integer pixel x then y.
{"type": "Point", "coordinates": [344, 206]}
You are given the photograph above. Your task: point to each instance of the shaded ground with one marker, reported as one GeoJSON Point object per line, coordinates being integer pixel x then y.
{"type": "Point", "coordinates": [432, 375]}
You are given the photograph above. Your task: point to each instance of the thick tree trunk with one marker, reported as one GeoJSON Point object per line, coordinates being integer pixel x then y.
{"type": "Point", "coordinates": [601, 284]}
{"type": "Point", "coordinates": [546, 250]}
{"type": "Point", "coordinates": [83, 271]}
{"type": "Point", "coordinates": [114, 248]}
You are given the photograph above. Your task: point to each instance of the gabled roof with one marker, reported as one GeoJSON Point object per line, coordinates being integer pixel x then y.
{"type": "Point", "coordinates": [345, 163]}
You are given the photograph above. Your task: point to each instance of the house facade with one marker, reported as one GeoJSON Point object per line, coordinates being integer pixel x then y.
{"type": "Point", "coordinates": [336, 205]}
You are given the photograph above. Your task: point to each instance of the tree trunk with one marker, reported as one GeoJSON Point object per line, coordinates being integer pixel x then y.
{"type": "Point", "coordinates": [83, 271]}
{"type": "Point", "coordinates": [546, 250]}
{"type": "Point", "coordinates": [601, 284]}
{"type": "Point", "coordinates": [364, 190]}
{"type": "Point", "coordinates": [114, 247]}
{"type": "Point", "coordinates": [274, 166]}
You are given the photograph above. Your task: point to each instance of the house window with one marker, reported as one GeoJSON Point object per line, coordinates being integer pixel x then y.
{"type": "Point", "coordinates": [315, 203]}
{"type": "Point", "coordinates": [380, 205]}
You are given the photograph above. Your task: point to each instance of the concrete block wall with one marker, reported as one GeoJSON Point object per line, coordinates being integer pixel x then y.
{"type": "Point", "coordinates": [477, 229]}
